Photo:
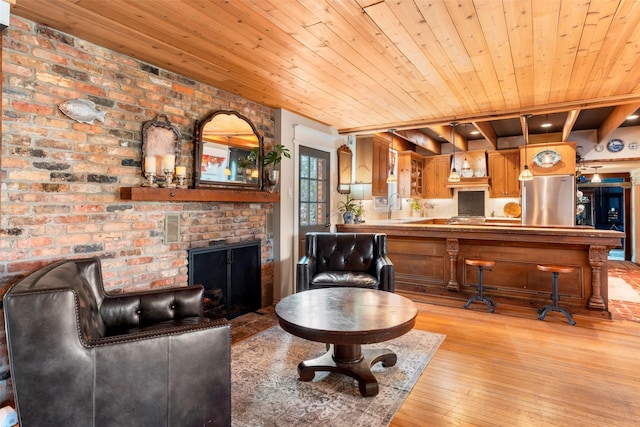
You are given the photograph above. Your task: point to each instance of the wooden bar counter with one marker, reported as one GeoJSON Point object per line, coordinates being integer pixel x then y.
{"type": "Point", "coordinates": [429, 261]}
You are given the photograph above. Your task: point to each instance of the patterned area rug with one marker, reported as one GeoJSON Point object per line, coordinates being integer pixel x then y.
{"type": "Point", "coordinates": [266, 390]}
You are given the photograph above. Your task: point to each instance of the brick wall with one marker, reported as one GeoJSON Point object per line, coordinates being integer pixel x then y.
{"type": "Point", "coordinates": [61, 179]}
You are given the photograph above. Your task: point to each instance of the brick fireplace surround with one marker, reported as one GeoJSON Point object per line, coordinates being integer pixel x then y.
{"type": "Point", "coordinates": [61, 180]}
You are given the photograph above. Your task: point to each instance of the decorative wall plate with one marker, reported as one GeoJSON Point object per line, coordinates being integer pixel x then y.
{"type": "Point", "coordinates": [615, 145]}
{"type": "Point", "coordinates": [599, 147]}
{"type": "Point", "coordinates": [633, 145]}
{"type": "Point", "coordinates": [539, 158]}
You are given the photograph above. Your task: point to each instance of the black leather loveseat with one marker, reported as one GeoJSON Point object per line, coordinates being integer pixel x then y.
{"type": "Point", "coordinates": [345, 259]}
{"type": "Point", "coordinates": [82, 358]}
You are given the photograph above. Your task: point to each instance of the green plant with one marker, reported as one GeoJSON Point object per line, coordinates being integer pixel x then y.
{"type": "Point", "coordinates": [415, 206]}
{"type": "Point", "coordinates": [359, 210]}
{"type": "Point", "coordinates": [271, 157]}
{"type": "Point", "coordinates": [348, 205]}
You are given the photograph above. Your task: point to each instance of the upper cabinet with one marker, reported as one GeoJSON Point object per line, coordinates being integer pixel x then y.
{"type": "Point", "coordinates": [372, 163]}
{"type": "Point", "coordinates": [410, 174]}
{"type": "Point", "coordinates": [436, 173]}
{"type": "Point", "coordinates": [504, 169]}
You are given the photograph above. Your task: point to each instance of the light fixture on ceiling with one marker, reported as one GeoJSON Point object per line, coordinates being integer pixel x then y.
{"type": "Point", "coordinates": [454, 176]}
{"type": "Point", "coordinates": [391, 178]}
{"type": "Point", "coordinates": [547, 157]}
{"type": "Point", "coordinates": [526, 174]}
{"type": "Point", "coordinates": [596, 177]}
{"type": "Point", "coordinates": [633, 117]}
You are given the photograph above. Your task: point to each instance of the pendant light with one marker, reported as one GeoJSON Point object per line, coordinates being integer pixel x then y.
{"type": "Point", "coordinates": [454, 176]}
{"type": "Point", "coordinates": [526, 174]}
{"type": "Point", "coordinates": [596, 177]}
{"type": "Point", "coordinates": [391, 178]}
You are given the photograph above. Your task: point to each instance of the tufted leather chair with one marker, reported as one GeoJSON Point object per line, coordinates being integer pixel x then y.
{"type": "Point", "coordinates": [80, 357]}
{"type": "Point", "coordinates": [345, 259]}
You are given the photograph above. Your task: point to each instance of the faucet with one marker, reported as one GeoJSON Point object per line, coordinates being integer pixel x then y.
{"type": "Point", "coordinates": [389, 205]}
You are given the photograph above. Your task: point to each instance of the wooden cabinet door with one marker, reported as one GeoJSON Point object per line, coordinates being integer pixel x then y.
{"type": "Point", "coordinates": [504, 172]}
{"type": "Point", "coordinates": [372, 163]}
{"type": "Point", "coordinates": [410, 174]}
{"type": "Point", "coordinates": [380, 169]}
{"type": "Point", "coordinates": [436, 173]}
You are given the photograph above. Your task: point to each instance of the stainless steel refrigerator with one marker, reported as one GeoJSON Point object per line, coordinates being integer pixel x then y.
{"type": "Point", "coordinates": [549, 200]}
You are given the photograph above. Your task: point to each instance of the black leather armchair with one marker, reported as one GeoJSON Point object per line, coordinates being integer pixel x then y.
{"type": "Point", "coordinates": [80, 357]}
{"type": "Point", "coordinates": [345, 259]}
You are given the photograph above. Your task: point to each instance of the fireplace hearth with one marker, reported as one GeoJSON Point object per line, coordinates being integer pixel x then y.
{"type": "Point", "coordinates": [230, 274]}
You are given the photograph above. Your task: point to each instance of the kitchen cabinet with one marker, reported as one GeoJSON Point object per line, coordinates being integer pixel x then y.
{"type": "Point", "coordinates": [504, 170]}
{"type": "Point", "coordinates": [372, 163]}
{"type": "Point", "coordinates": [410, 174]}
{"type": "Point", "coordinates": [436, 173]}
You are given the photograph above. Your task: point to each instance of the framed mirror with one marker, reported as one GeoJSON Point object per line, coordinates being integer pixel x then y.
{"type": "Point", "coordinates": [227, 149]}
{"type": "Point", "coordinates": [345, 158]}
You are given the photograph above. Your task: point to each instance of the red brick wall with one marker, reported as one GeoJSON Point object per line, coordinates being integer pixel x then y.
{"type": "Point", "coordinates": [61, 179]}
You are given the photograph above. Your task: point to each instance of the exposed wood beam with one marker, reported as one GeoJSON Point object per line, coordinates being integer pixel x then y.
{"type": "Point", "coordinates": [487, 131]}
{"type": "Point", "coordinates": [445, 132]}
{"type": "Point", "coordinates": [615, 119]}
{"type": "Point", "coordinates": [572, 116]}
{"type": "Point", "coordinates": [421, 139]}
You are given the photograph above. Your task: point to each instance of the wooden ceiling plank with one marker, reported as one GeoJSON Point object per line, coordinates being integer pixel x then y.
{"type": "Point", "coordinates": [494, 28]}
{"type": "Point", "coordinates": [615, 119]}
{"type": "Point", "coordinates": [518, 15]}
{"type": "Point", "coordinates": [566, 47]}
{"type": "Point", "coordinates": [484, 82]}
{"type": "Point", "coordinates": [545, 30]}
{"type": "Point", "coordinates": [594, 31]}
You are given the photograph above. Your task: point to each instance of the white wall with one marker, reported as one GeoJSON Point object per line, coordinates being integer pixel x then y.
{"type": "Point", "coordinates": [292, 131]}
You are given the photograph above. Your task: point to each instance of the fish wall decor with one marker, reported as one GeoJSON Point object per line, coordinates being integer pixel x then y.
{"type": "Point", "coordinates": [82, 110]}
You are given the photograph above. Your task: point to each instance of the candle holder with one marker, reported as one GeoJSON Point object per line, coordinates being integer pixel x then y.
{"type": "Point", "coordinates": [151, 180]}
{"type": "Point", "coordinates": [181, 179]}
{"type": "Point", "coordinates": [168, 179]}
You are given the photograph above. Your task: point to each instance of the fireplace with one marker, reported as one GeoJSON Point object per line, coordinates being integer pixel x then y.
{"type": "Point", "coordinates": [230, 274]}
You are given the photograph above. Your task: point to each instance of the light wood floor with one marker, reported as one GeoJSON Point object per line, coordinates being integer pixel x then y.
{"type": "Point", "coordinates": [510, 369]}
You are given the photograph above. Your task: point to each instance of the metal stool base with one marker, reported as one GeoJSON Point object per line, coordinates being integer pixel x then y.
{"type": "Point", "coordinates": [554, 306]}
{"type": "Point", "coordinates": [480, 297]}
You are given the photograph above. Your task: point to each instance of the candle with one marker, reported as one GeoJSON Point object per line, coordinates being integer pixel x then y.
{"type": "Point", "coordinates": [168, 162]}
{"type": "Point", "coordinates": [181, 171]}
{"type": "Point", "coordinates": [150, 164]}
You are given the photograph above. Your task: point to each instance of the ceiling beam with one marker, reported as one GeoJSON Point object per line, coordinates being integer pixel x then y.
{"type": "Point", "coordinates": [572, 116]}
{"type": "Point", "coordinates": [487, 131]}
{"type": "Point", "coordinates": [445, 132]}
{"type": "Point", "coordinates": [421, 139]}
{"type": "Point", "coordinates": [615, 119]}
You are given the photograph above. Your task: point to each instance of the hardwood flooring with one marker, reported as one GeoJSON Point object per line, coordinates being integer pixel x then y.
{"type": "Point", "coordinates": [509, 369]}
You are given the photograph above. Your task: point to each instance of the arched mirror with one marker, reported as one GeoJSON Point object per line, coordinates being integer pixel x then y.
{"type": "Point", "coordinates": [227, 150]}
{"type": "Point", "coordinates": [344, 169]}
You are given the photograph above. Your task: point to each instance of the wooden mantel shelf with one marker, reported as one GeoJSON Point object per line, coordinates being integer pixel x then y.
{"type": "Point", "coordinates": [147, 194]}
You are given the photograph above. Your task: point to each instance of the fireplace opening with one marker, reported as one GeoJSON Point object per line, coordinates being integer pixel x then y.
{"type": "Point", "coordinates": [231, 278]}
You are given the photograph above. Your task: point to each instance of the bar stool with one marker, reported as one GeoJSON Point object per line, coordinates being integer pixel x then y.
{"type": "Point", "coordinates": [481, 264]}
{"type": "Point", "coordinates": [555, 270]}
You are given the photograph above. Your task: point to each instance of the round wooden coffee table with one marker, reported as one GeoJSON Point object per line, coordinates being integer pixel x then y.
{"type": "Point", "coordinates": [347, 318]}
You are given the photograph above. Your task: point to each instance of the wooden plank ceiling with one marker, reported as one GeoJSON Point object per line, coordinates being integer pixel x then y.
{"type": "Point", "coordinates": [373, 65]}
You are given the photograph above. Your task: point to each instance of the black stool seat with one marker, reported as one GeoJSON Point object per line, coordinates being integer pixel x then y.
{"type": "Point", "coordinates": [481, 264]}
{"type": "Point", "coordinates": [555, 270]}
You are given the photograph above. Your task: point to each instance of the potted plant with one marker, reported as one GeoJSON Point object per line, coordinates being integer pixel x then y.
{"type": "Point", "coordinates": [415, 208]}
{"type": "Point", "coordinates": [269, 161]}
{"type": "Point", "coordinates": [357, 213]}
{"type": "Point", "coordinates": [347, 208]}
